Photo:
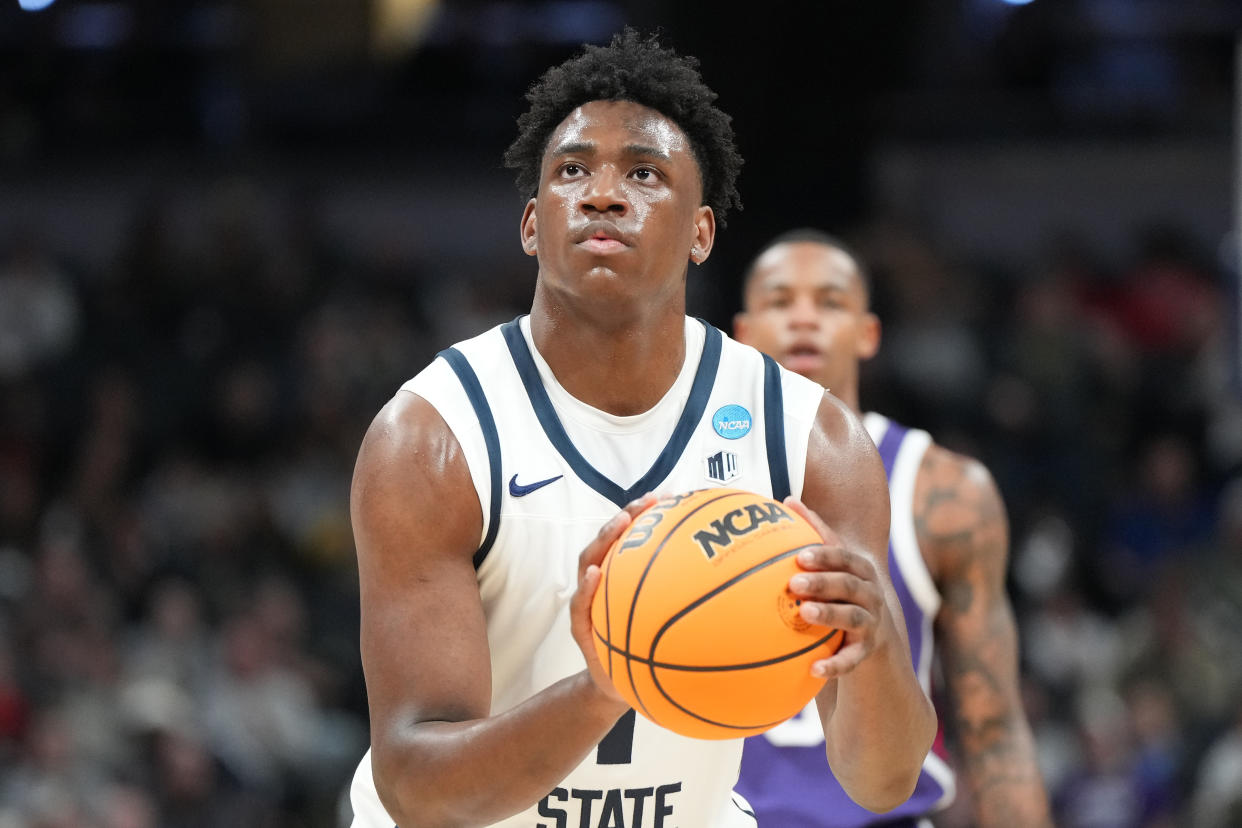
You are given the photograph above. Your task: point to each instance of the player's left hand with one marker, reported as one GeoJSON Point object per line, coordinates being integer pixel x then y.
{"type": "Point", "coordinates": [589, 576]}
{"type": "Point", "coordinates": [839, 589]}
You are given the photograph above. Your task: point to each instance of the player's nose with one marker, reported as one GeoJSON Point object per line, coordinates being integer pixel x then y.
{"type": "Point", "coordinates": [604, 192]}
{"type": "Point", "coordinates": [803, 312]}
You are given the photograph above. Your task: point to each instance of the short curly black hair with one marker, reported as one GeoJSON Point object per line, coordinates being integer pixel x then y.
{"type": "Point", "coordinates": [633, 68]}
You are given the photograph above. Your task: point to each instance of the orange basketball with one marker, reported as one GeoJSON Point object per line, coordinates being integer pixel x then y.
{"type": "Point", "coordinates": [694, 620]}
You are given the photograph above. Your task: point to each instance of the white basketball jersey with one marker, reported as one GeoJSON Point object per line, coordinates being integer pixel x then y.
{"type": "Point", "coordinates": [549, 471]}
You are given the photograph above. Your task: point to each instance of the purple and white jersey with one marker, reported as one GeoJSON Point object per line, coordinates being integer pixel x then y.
{"type": "Point", "coordinates": [785, 774]}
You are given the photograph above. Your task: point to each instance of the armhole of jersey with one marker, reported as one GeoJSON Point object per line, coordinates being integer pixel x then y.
{"type": "Point", "coordinates": [474, 392]}
{"type": "Point", "coordinates": [902, 533]}
{"type": "Point", "coordinates": [774, 427]}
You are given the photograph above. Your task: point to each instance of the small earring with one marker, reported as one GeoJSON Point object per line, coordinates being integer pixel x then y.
{"type": "Point", "coordinates": [694, 251]}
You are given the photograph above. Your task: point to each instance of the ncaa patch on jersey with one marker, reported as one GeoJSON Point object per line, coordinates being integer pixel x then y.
{"type": "Point", "coordinates": [731, 421]}
{"type": "Point", "coordinates": [721, 467]}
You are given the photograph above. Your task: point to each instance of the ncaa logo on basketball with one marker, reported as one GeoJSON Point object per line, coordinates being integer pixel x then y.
{"type": "Point", "coordinates": [722, 532]}
{"type": "Point", "coordinates": [721, 467]}
{"type": "Point", "coordinates": [731, 422]}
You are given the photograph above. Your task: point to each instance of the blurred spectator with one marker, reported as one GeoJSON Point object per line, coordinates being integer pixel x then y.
{"type": "Point", "coordinates": [15, 706]}
{"type": "Point", "coordinates": [1159, 748]}
{"type": "Point", "coordinates": [39, 307]}
{"type": "Point", "coordinates": [261, 711]}
{"type": "Point", "coordinates": [170, 644]}
{"type": "Point", "coordinates": [932, 361]}
{"type": "Point", "coordinates": [1100, 793]}
{"type": "Point", "coordinates": [1217, 796]}
{"type": "Point", "coordinates": [1164, 514]}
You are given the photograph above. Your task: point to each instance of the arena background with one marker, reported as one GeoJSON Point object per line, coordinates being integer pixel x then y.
{"type": "Point", "coordinates": [229, 230]}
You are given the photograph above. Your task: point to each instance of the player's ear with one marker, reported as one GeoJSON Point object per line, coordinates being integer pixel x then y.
{"type": "Point", "coordinates": [868, 343]}
{"type": "Point", "coordinates": [530, 245]}
{"type": "Point", "coordinates": [704, 234]}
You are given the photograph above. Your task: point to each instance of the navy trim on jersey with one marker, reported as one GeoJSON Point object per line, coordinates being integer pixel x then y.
{"type": "Point", "coordinates": [700, 390]}
{"type": "Point", "coordinates": [474, 391]}
{"type": "Point", "coordinates": [774, 427]}
{"type": "Point", "coordinates": [889, 445]}
{"type": "Point", "coordinates": [746, 811]}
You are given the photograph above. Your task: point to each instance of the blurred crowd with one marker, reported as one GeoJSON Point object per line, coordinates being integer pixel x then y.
{"type": "Point", "coordinates": [178, 426]}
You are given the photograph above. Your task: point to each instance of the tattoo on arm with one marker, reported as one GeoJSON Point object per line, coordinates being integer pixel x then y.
{"type": "Point", "coordinates": [962, 530]}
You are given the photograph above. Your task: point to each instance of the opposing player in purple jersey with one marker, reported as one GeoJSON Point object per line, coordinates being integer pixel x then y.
{"type": "Point", "coordinates": [806, 303]}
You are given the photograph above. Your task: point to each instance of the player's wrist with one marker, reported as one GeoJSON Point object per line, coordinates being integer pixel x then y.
{"type": "Point", "coordinates": [602, 697]}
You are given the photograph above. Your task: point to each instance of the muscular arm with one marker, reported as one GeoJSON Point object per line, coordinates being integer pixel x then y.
{"type": "Point", "coordinates": [438, 757]}
{"type": "Point", "coordinates": [962, 530]}
{"type": "Point", "coordinates": [878, 723]}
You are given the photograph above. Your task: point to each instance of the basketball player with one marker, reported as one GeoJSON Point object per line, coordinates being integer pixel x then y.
{"type": "Point", "coordinates": [481, 489]}
{"type": "Point", "coordinates": [806, 303]}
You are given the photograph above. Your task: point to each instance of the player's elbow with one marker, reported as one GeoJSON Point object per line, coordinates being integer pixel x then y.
{"type": "Point", "coordinates": [885, 793]}
{"type": "Point", "coordinates": [388, 787]}
{"type": "Point", "coordinates": [897, 785]}
{"type": "Point", "coordinates": [395, 785]}
{"type": "Point", "coordinates": [885, 790]}
{"type": "Point", "coordinates": [888, 780]}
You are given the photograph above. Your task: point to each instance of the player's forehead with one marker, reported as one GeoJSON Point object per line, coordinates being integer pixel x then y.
{"type": "Point", "coordinates": [625, 126]}
{"type": "Point", "coordinates": [807, 265]}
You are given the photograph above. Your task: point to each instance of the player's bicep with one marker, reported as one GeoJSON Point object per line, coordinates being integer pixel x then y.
{"type": "Point", "coordinates": [846, 486]}
{"type": "Point", "coordinates": [417, 521]}
{"type": "Point", "coordinates": [845, 481]}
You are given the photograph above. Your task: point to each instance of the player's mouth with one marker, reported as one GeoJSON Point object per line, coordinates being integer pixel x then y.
{"type": "Point", "coordinates": [801, 358]}
{"type": "Point", "coordinates": [602, 238]}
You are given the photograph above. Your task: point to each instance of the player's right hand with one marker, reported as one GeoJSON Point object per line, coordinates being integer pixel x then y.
{"type": "Point", "coordinates": [588, 580]}
{"type": "Point", "coordinates": [839, 588]}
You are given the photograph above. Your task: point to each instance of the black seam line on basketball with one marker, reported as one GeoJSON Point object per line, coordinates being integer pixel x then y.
{"type": "Point", "coordinates": [717, 590]}
{"type": "Point", "coordinates": [730, 725]}
{"type": "Point", "coordinates": [604, 581]}
{"type": "Point", "coordinates": [660, 687]}
{"type": "Point", "coordinates": [638, 588]}
{"type": "Point", "coordinates": [714, 668]}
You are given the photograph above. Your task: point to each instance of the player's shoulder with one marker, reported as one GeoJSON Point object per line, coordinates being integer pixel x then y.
{"type": "Point", "coordinates": [407, 425]}
{"type": "Point", "coordinates": [946, 471]}
{"type": "Point", "coordinates": [959, 515]}
{"type": "Point", "coordinates": [938, 465]}
{"type": "Point", "coordinates": [420, 419]}
{"type": "Point", "coordinates": [473, 355]}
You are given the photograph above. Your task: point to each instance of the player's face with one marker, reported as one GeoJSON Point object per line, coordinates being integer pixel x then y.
{"type": "Point", "coordinates": [806, 307]}
{"type": "Point", "coordinates": [619, 206]}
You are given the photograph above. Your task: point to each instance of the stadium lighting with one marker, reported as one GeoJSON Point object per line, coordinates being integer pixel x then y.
{"type": "Point", "coordinates": [34, 5]}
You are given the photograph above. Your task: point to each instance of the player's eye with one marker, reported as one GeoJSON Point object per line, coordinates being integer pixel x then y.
{"type": "Point", "coordinates": [571, 170]}
{"type": "Point", "coordinates": [644, 174]}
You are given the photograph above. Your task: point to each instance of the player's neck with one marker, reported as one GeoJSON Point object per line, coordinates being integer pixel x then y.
{"type": "Point", "coordinates": [842, 383]}
{"type": "Point", "coordinates": [848, 394]}
{"type": "Point", "coordinates": [622, 369]}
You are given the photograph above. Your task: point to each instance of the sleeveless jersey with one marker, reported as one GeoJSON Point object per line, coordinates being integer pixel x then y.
{"type": "Point", "coordinates": [785, 773]}
{"type": "Point", "coordinates": [549, 471]}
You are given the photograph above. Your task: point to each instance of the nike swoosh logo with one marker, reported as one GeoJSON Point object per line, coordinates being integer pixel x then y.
{"type": "Point", "coordinates": [518, 490]}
